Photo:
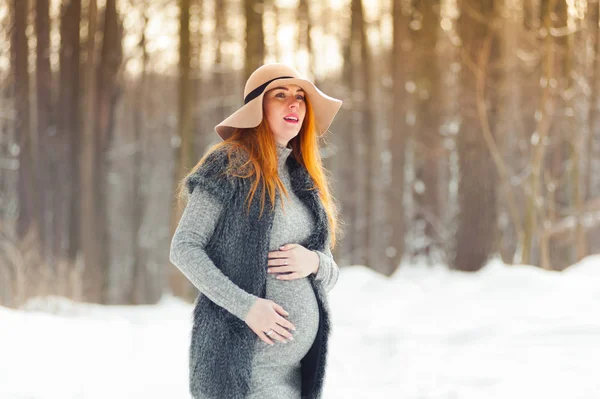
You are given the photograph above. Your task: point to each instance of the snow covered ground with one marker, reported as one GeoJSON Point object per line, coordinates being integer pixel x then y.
{"type": "Point", "coordinates": [425, 333]}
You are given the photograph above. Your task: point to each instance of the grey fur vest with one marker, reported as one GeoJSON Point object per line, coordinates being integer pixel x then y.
{"type": "Point", "coordinates": [222, 345]}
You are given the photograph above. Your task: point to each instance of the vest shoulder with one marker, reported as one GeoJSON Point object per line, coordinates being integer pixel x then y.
{"type": "Point", "coordinates": [215, 173]}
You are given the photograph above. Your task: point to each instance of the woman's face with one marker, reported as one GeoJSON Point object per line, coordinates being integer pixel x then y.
{"type": "Point", "coordinates": [285, 108]}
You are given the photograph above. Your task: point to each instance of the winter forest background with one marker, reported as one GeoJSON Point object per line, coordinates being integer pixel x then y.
{"type": "Point", "coordinates": [470, 129]}
{"type": "Point", "coordinates": [465, 161]}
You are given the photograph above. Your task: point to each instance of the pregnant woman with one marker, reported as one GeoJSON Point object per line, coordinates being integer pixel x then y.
{"type": "Point", "coordinates": [255, 238]}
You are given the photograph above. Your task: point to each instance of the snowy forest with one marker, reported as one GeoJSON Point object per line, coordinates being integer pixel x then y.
{"type": "Point", "coordinates": [470, 130]}
{"type": "Point", "coordinates": [464, 162]}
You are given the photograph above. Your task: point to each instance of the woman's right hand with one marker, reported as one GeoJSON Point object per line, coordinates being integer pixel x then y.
{"type": "Point", "coordinates": [266, 315]}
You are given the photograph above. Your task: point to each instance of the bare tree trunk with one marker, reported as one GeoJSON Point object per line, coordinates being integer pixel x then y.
{"type": "Point", "coordinates": [448, 60]}
{"type": "Point", "coordinates": [178, 283]}
{"type": "Point", "coordinates": [477, 185]}
{"type": "Point", "coordinates": [368, 149]}
{"type": "Point", "coordinates": [219, 68]}
{"type": "Point", "coordinates": [398, 138]}
{"type": "Point", "coordinates": [45, 123]}
{"type": "Point", "coordinates": [20, 55]}
{"type": "Point", "coordinates": [556, 163]}
{"type": "Point", "coordinates": [196, 38]}
{"type": "Point", "coordinates": [578, 105]}
{"type": "Point", "coordinates": [71, 119]}
{"type": "Point", "coordinates": [531, 10]}
{"type": "Point", "coordinates": [255, 41]}
{"type": "Point", "coordinates": [592, 146]}
{"type": "Point", "coordinates": [304, 28]}
{"type": "Point", "coordinates": [356, 145]}
{"type": "Point", "coordinates": [532, 211]}
{"type": "Point", "coordinates": [427, 139]}
{"type": "Point", "coordinates": [140, 290]}
{"type": "Point", "coordinates": [514, 123]}
{"type": "Point", "coordinates": [108, 92]}
{"type": "Point", "coordinates": [341, 162]}
{"type": "Point", "coordinates": [94, 273]}
{"type": "Point", "coordinates": [61, 156]}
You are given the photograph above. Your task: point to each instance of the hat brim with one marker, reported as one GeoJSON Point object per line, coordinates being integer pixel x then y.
{"type": "Point", "coordinates": [250, 115]}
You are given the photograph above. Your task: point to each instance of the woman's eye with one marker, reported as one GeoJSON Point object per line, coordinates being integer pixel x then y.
{"type": "Point", "coordinates": [299, 97]}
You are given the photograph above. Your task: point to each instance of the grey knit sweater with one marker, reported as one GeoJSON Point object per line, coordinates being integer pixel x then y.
{"type": "Point", "coordinates": [275, 369]}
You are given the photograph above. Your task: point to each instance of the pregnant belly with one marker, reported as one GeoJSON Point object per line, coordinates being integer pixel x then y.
{"type": "Point", "coordinates": [298, 299]}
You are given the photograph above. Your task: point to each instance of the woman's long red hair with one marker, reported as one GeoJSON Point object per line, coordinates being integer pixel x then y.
{"type": "Point", "coordinates": [261, 165]}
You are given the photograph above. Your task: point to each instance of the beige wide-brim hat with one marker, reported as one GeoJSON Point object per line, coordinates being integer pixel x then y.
{"type": "Point", "coordinates": [266, 78]}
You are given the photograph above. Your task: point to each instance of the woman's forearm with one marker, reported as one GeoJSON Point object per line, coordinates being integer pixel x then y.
{"type": "Point", "coordinates": [188, 254]}
{"type": "Point", "coordinates": [328, 271]}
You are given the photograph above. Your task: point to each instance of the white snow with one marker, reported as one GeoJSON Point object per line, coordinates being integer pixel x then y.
{"type": "Point", "coordinates": [425, 333]}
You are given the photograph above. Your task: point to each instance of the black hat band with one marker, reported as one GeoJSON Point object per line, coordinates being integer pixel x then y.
{"type": "Point", "coordinates": [259, 90]}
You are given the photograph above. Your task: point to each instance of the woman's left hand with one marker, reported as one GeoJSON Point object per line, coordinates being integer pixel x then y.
{"type": "Point", "coordinates": [292, 258]}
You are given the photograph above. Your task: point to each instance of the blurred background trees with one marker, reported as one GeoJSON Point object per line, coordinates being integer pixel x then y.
{"type": "Point", "coordinates": [469, 129]}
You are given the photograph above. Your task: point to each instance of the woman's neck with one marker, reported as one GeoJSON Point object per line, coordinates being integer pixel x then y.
{"type": "Point", "coordinates": [283, 153]}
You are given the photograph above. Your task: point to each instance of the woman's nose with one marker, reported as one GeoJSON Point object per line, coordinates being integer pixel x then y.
{"type": "Point", "coordinates": [295, 103]}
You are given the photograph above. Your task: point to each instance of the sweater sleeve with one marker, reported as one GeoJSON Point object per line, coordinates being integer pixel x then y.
{"type": "Point", "coordinates": [188, 254]}
{"type": "Point", "coordinates": [328, 271]}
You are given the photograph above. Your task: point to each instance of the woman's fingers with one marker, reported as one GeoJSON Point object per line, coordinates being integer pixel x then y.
{"type": "Point", "coordinates": [283, 333]}
{"type": "Point", "coordinates": [286, 323]}
{"type": "Point", "coordinates": [280, 309]}
{"type": "Point", "coordinates": [277, 334]}
{"type": "Point", "coordinates": [272, 320]}
{"type": "Point", "coordinates": [263, 336]}
{"type": "Point", "coordinates": [281, 269]}
{"type": "Point", "coordinates": [282, 321]}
